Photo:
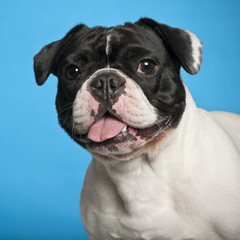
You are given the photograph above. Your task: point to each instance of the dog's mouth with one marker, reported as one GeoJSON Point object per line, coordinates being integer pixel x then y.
{"type": "Point", "coordinates": [109, 130]}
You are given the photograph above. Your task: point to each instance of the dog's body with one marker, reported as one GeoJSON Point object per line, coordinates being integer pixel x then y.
{"type": "Point", "coordinates": [188, 189]}
{"type": "Point", "coordinates": [162, 168]}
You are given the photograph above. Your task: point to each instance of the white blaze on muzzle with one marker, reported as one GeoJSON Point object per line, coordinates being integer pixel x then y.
{"type": "Point", "coordinates": [134, 108]}
{"type": "Point", "coordinates": [84, 109]}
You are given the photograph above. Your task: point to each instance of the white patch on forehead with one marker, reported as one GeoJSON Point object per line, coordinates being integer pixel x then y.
{"type": "Point", "coordinates": [196, 50]}
{"type": "Point", "coordinates": [108, 46]}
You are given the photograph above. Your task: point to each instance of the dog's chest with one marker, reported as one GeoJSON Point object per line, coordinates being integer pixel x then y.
{"type": "Point", "coordinates": [136, 206]}
{"type": "Point", "coordinates": [142, 195]}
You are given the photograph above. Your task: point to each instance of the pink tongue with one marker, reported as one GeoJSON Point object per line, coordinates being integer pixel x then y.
{"type": "Point", "coordinates": [105, 128]}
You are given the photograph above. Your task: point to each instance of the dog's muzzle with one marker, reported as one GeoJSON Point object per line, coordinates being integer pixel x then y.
{"type": "Point", "coordinates": [112, 113]}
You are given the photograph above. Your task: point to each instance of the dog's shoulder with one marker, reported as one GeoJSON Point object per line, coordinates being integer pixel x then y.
{"type": "Point", "coordinates": [227, 118]}
{"type": "Point", "coordinates": [230, 122]}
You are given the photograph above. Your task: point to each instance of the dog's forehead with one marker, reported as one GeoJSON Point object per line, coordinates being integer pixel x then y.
{"type": "Point", "coordinates": [127, 33]}
{"type": "Point", "coordinates": [112, 40]}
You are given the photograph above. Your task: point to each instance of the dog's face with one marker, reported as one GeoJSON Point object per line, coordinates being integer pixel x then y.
{"type": "Point", "coordinates": [119, 88]}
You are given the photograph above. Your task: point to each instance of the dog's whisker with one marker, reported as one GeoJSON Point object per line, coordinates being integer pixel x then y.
{"type": "Point", "coordinates": [67, 119]}
{"type": "Point", "coordinates": [67, 104]}
{"type": "Point", "coordinates": [65, 109]}
{"type": "Point", "coordinates": [73, 129]}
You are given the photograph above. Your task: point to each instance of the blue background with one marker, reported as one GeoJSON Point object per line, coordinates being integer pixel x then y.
{"type": "Point", "coordinates": [41, 169]}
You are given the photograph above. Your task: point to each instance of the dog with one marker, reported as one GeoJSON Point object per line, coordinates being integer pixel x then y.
{"type": "Point", "coordinates": [162, 169]}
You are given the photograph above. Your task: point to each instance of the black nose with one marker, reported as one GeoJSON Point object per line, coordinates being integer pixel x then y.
{"type": "Point", "coordinates": [107, 85]}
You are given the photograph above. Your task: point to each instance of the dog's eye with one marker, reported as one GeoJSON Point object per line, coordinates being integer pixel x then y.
{"type": "Point", "coordinates": [72, 73]}
{"type": "Point", "coordinates": [146, 66]}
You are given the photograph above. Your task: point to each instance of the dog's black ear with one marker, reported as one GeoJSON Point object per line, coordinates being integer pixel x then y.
{"type": "Point", "coordinates": [185, 46]}
{"type": "Point", "coordinates": [44, 61]}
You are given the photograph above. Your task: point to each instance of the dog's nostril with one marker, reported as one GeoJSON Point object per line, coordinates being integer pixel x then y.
{"type": "Point", "coordinates": [97, 83]}
{"type": "Point", "coordinates": [115, 82]}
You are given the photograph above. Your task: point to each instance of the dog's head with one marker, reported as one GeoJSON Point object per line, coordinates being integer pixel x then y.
{"type": "Point", "coordinates": [120, 88]}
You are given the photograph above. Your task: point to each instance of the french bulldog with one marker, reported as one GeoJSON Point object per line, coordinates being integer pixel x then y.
{"type": "Point", "coordinates": [161, 169]}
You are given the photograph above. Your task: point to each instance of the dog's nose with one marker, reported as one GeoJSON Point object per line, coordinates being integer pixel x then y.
{"type": "Point", "coordinates": [106, 85]}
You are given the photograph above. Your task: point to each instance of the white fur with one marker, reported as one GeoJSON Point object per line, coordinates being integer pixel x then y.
{"type": "Point", "coordinates": [133, 107]}
{"type": "Point", "coordinates": [83, 105]}
{"type": "Point", "coordinates": [190, 189]}
{"type": "Point", "coordinates": [196, 50]}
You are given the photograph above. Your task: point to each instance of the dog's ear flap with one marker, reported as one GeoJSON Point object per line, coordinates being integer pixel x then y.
{"type": "Point", "coordinates": [185, 46]}
{"type": "Point", "coordinates": [47, 59]}
{"type": "Point", "coordinates": [44, 61]}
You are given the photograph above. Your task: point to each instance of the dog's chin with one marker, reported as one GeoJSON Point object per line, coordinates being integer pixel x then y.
{"type": "Point", "coordinates": [125, 144]}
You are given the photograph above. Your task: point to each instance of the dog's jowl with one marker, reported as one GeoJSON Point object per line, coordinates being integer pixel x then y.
{"type": "Point", "coordinates": [162, 169]}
